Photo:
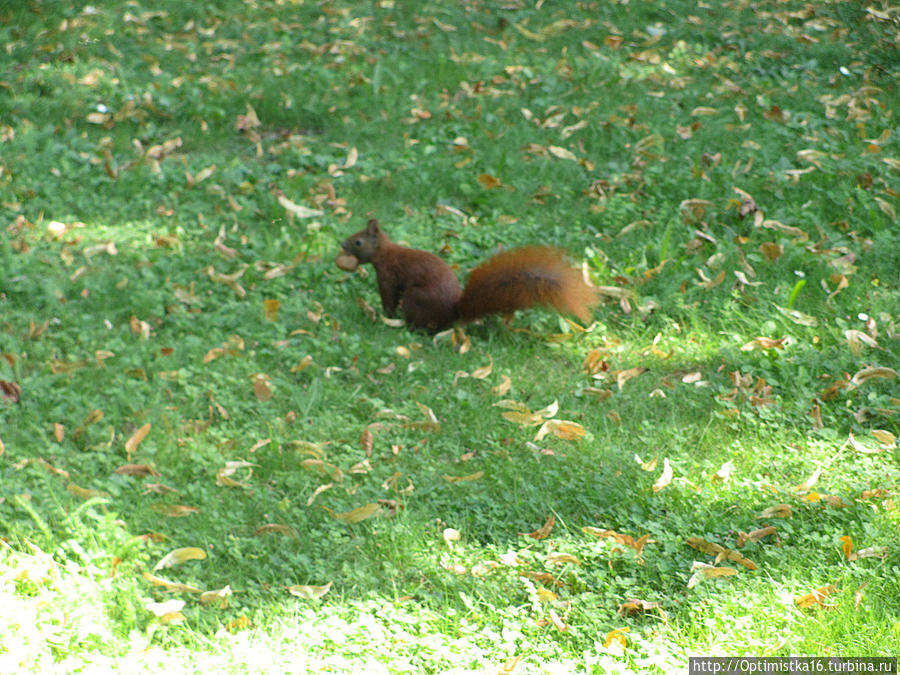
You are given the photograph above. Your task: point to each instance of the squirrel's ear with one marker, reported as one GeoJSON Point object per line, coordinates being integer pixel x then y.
{"type": "Point", "coordinates": [372, 227]}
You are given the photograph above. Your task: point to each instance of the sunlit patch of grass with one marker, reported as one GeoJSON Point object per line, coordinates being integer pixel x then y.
{"type": "Point", "coordinates": [55, 615]}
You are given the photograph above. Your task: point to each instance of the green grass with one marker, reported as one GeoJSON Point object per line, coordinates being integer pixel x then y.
{"type": "Point", "coordinates": [133, 176]}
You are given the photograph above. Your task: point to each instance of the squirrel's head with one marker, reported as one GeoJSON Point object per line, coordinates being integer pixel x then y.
{"type": "Point", "coordinates": [364, 243]}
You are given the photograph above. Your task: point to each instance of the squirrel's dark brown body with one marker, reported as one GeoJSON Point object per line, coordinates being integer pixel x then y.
{"type": "Point", "coordinates": [425, 290]}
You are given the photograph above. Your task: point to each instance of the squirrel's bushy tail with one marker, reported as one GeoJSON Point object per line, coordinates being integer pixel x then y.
{"type": "Point", "coordinates": [522, 278]}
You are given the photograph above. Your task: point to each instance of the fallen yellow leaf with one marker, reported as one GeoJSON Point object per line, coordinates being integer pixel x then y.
{"type": "Point", "coordinates": [309, 592]}
{"type": "Point", "coordinates": [617, 634]}
{"type": "Point", "coordinates": [179, 556]}
{"type": "Point", "coordinates": [461, 479]}
{"type": "Point", "coordinates": [358, 514]}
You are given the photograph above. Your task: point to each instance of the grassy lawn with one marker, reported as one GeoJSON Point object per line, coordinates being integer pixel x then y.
{"type": "Point", "coordinates": [217, 457]}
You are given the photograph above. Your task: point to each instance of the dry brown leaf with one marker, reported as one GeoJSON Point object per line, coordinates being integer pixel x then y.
{"type": "Point", "coordinates": [98, 118]}
{"type": "Point", "coordinates": [624, 539]}
{"type": "Point", "coordinates": [172, 586]}
{"type": "Point", "coordinates": [622, 376]}
{"type": "Point", "coordinates": [324, 468]}
{"type": "Point", "coordinates": [873, 552]}
{"type": "Point", "coordinates": [358, 514]}
{"type": "Point", "coordinates": [450, 536]}
{"type": "Point", "coordinates": [247, 122]}
{"type": "Point", "coordinates": [136, 470]}
{"type": "Point", "coordinates": [509, 404]}
{"type": "Point", "coordinates": [224, 475]}
{"type": "Point", "coordinates": [734, 556]}
{"type": "Point", "coordinates": [270, 309]}
{"type": "Point", "coordinates": [747, 204]}
{"type": "Point", "coordinates": [816, 597]}
{"type": "Point", "coordinates": [201, 176]}
{"type": "Point", "coordinates": [362, 467]}
{"type": "Point", "coordinates": [275, 528]}
{"type": "Point", "coordinates": [219, 245]}
{"type": "Point", "coordinates": [708, 547]}
{"type": "Point", "coordinates": [562, 558]}
{"type": "Point", "coordinates": [319, 490]}
{"type": "Point", "coordinates": [705, 571]}
{"type": "Point", "coordinates": [524, 419]}
{"type": "Point", "coordinates": [864, 449]}
{"type": "Point", "coordinates": [613, 41]}
{"type": "Point", "coordinates": [665, 477]}
{"type": "Point", "coordinates": [809, 482]}
{"type": "Point", "coordinates": [634, 606]}
{"type": "Point", "coordinates": [755, 535]}
{"type": "Point", "coordinates": [549, 411]}
{"type": "Point", "coordinates": [771, 250]}
{"type": "Point", "coordinates": [84, 493]}
{"type": "Point", "coordinates": [261, 386]}
{"type": "Point", "coordinates": [488, 181]}
{"type": "Point", "coordinates": [855, 340]}
{"type": "Point", "coordinates": [708, 284]}
{"type": "Point", "coordinates": [545, 595]}
{"type": "Point", "coordinates": [724, 473]}
{"type": "Point", "coordinates": [614, 292]}
{"type": "Point", "coordinates": [798, 317]}
{"type": "Point", "coordinates": [168, 611]}
{"type": "Point", "coordinates": [240, 623]}
{"type": "Point", "coordinates": [847, 547]}
{"type": "Point", "coordinates": [229, 280]}
{"type": "Point", "coordinates": [618, 635]}
{"type": "Point", "coordinates": [562, 153]}
{"type": "Point", "coordinates": [777, 511]}
{"type": "Point", "coordinates": [43, 463]}
{"type": "Point", "coordinates": [11, 392]}
{"type": "Point", "coordinates": [649, 465]}
{"type": "Point", "coordinates": [220, 595]}
{"type": "Point", "coordinates": [482, 372]}
{"type": "Point", "coordinates": [138, 436]}
{"type": "Point", "coordinates": [260, 444]}
{"type": "Point", "coordinates": [764, 343]}
{"type": "Point", "coordinates": [305, 363]}
{"type": "Point", "coordinates": [544, 531]}
{"type": "Point", "coordinates": [720, 552]}
{"type": "Point", "coordinates": [858, 596]}
{"type": "Point", "coordinates": [175, 510]}
{"type": "Point", "coordinates": [296, 209]}
{"type": "Point", "coordinates": [564, 429]}
{"type": "Point", "coordinates": [352, 157]}
{"type": "Point", "coordinates": [502, 388]}
{"type": "Point", "coordinates": [875, 372]}
{"type": "Point", "coordinates": [463, 479]}
{"type": "Point", "coordinates": [428, 412]}
{"type": "Point", "coordinates": [558, 623]}
{"type": "Point", "coordinates": [213, 354]}
{"type": "Point", "coordinates": [367, 441]}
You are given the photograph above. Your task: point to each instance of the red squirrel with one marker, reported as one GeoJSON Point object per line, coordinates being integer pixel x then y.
{"type": "Point", "coordinates": [428, 294]}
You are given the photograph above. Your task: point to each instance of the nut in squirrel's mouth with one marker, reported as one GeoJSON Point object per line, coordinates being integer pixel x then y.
{"type": "Point", "coordinates": [346, 261]}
